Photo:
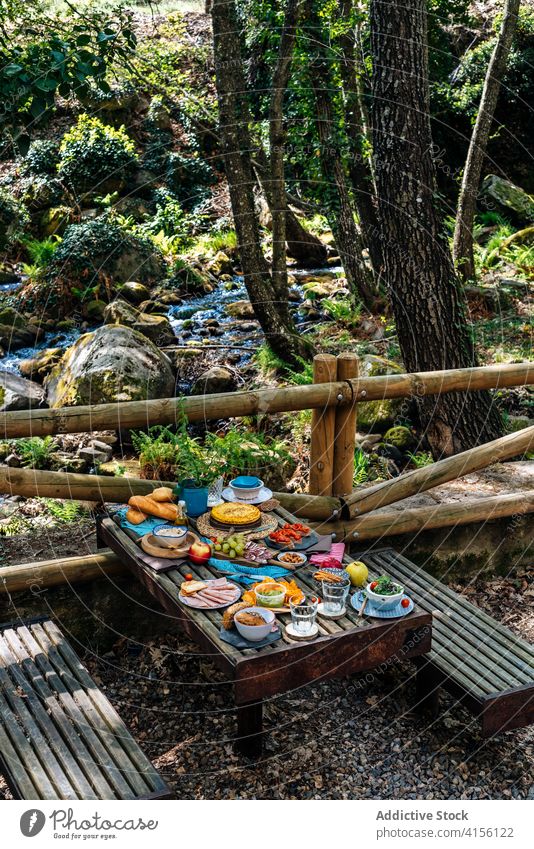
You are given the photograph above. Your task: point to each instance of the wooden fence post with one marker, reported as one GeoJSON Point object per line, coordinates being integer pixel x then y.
{"type": "Point", "coordinates": [345, 430]}
{"type": "Point", "coordinates": [322, 430]}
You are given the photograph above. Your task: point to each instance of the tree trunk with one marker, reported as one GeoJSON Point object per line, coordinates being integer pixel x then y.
{"type": "Point", "coordinates": [465, 214]}
{"type": "Point", "coordinates": [279, 330]}
{"type": "Point", "coordinates": [359, 165]}
{"type": "Point", "coordinates": [277, 139]}
{"type": "Point", "coordinates": [425, 293]}
{"type": "Point", "coordinates": [338, 200]}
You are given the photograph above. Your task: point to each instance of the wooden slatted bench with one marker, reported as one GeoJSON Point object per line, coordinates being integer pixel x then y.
{"type": "Point", "coordinates": [60, 738]}
{"type": "Point", "coordinates": [473, 656]}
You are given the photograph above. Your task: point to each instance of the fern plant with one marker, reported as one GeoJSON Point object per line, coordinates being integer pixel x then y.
{"type": "Point", "coordinates": [362, 467]}
{"type": "Point", "coordinates": [64, 511]}
{"type": "Point", "coordinates": [35, 452]}
{"type": "Point", "coordinates": [421, 458]}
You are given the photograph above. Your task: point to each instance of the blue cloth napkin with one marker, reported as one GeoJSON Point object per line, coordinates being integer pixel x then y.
{"type": "Point", "coordinates": [248, 574]}
{"type": "Point", "coordinates": [145, 527]}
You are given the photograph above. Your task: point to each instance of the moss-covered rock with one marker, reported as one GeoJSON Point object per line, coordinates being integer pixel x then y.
{"type": "Point", "coordinates": [242, 310]}
{"type": "Point", "coordinates": [400, 436]}
{"type": "Point", "coordinates": [134, 292]}
{"type": "Point", "coordinates": [55, 220]}
{"type": "Point", "coordinates": [378, 416]}
{"type": "Point", "coordinates": [16, 393]}
{"type": "Point", "coordinates": [115, 363]}
{"type": "Point", "coordinates": [511, 199]}
{"type": "Point", "coordinates": [13, 219]}
{"type": "Point", "coordinates": [155, 327]}
{"type": "Point", "coordinates": [38, 367]}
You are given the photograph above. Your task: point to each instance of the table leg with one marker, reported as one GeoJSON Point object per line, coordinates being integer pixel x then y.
{"type": "Point", "coordinates": [250, 729]}
{"type": "Point", "coordinates": [428, 682]}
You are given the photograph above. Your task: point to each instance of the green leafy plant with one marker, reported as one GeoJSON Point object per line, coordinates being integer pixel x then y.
{"type": "Point", "coordinates": [342, 311]}
{"type": "Point", "coordinates": [35, 451]}
{"type": "Point", "coordinates": [40, 252]}
{"type": "Point", "coordinates": [421, 458]}
{"type": "Point", "coordinates": [65, 511]}
{"type": "Point", "coordinates": [242, 452]}
{"type": "Point", "coordinates": [93, 154]}
{"type": "Point", "coordinates": [362, 467]}
{"type": "Point", "coordinates": [14, 219]}
{"type": "Point", "coordinates": [42, 157]}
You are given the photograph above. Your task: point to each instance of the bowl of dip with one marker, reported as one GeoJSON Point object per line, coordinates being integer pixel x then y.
{"type": "Point", "coordinates": [169, 536]}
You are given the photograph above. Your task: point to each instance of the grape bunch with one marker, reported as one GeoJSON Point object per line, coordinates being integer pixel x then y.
{"type": "Point", "coordinates": [233, 545]}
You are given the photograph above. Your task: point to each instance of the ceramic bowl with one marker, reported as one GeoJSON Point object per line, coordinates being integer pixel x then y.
{"type": "Point", "coordinates": [384, 602]}
{"type": "Point", "coordinates": [169, 536]}
{"type": "Point", "coordinates": [245, 487]}
{"type": "Point", "coordinates": [255, 633]}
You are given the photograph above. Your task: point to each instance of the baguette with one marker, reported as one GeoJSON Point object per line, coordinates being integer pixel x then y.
{"type": "Point", "coordinates": [135, 516]}
{"type": "Point", "coordinates": [162, 494]}
{"type": "Point", "coordinates": [147, 505]}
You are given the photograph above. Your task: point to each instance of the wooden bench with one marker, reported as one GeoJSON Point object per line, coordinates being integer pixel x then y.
{"type": "Point", "coordinates": [60, 738]}
{"type": "Point", "coordinates": [478, 660]}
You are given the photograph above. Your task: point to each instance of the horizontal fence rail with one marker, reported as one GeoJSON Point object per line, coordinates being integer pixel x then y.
{"type": "Point", "coordinates": [138, 414]}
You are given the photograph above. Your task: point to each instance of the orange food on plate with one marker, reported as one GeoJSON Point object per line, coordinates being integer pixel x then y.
{"type": "Point", "coordinates": [288, 534]}
{"type": "Point", "coordinates": [292, 591]}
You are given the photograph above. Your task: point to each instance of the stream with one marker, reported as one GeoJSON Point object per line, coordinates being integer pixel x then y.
{"type": "Point", "coordinates": [201, 320]}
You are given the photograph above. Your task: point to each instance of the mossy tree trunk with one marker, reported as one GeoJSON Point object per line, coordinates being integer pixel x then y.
{"type": "Point", "coordinates": [426, 296]}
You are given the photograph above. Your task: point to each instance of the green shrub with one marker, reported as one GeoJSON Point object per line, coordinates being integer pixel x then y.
{"type": "Point", "coordinates": [13, 219]}
{"type": "Point", "coordinates": [187, 177]}
{"type": "Point", "coordinates": [93, 154]}
{"type": "Point", "coordinates": [42, 157]}
{"type": "Point", "coordinates": [35, 452]}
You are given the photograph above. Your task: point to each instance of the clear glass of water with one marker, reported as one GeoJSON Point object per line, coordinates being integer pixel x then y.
{"type": "Point", "coordinates": [303, 615]}
{"type": "Point", "coordinates": [334, 597]}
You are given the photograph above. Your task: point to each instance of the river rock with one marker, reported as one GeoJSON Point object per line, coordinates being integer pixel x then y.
{"type": "Point", "coordinates": [55, 220]}
{"type": "Point", "coordinates": [94, 310]}
{"type": "Point", "coordinates": [62, 461]}
{"type": "Point", "coordinates": [17, 393]}
{"type": "Point", "coordinates": [220, 264]}
{"type": "Point", "coordinates": [240, 309]}
{"type": "Point", "coordinates": [509, 198]}
{"type": "Point", "coordinates": [38, 367]}
{"type": "Point", "coordinates": [114, 363]}
{"type": "Point", "coordinates": [378, 416]}
{"type": "Point", "coordinates": [93, 456]}
{"type": "Point", "coordinates": [157, 328]}
{"type": "Point", "coordinates": [134, 292]}
{"type": "Point", "coordinates": [215, 379]}
{"type": "Point", "coordinates": [400, 436]}
{"type": "Point", "coordinates": [11, 317]}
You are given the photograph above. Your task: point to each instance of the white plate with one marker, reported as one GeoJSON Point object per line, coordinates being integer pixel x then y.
{"type": "Point", "coordinates": [238, 592]}
{"type": "Point", "coordinates": [264, 495]}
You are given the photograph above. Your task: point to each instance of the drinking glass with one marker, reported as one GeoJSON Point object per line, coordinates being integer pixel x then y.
{"type": "Point", "coordinates": [334, 597]}
{"type": "Point", "coordinates": [303, 615]}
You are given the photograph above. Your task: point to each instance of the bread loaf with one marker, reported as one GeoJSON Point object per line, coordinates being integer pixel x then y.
{"type": "Point", "coordinates": [135, 516]}
{"type": "Point", "coordinates": [162, 493]}
{"type": "Point", "coordinates": [147, 505]}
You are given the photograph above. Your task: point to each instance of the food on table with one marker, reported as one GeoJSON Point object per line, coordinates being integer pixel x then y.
{"type": "Point", "coordinates": [188, 576]}
{"type": "Point", "coordinates": [292, 558]}
{"type": "Point", "coordinates": [405, 602]}
{"type": "Point", "coordinates": [230, 612]}
{"type": "Point", "coordinates": [257, 552]}
{"type": "Point", "coordinates": [199, 553]}
{"type": "Point", "coordinates": [189, 587]}
{"type": "Point", "coordinates": [290, 534]}
{"type": "Point", "coordinates": [331, 563]}
{"type": "Point", "coordinates": [292, 591]}
{"type": "Point", "coordinates": [162, 494]}
{"type": "Point", "coordinates": [247, 618]}
{"type": "Point", "coordinates": [328, 577]}
{"type": "Point", "coordinates": [232, 545]}
{"type": "Point", "coordinates": [216, 593]}
{"type": "Point", "coordinates": [358, 573]}
{"type": "Point", "coordinates": [385, 586]}
{"type": "Point", "coordinates": [231, 513]}
{"type": "Point", "coordinates": [135, 516]}
{"type": "Point", "coordinates": [270, 595]}
{"type": "Point", "coordinates": [147, 505]}
{"type": "Point", "coordinates": [172, 531]}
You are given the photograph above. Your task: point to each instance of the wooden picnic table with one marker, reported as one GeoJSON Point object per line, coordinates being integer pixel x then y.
{"type": "Point", "coordinates": [344, 646]}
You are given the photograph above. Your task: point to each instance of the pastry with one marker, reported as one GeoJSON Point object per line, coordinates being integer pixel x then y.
{"type": "Point", "coordinates": [154, 508]}
{"type": "Point", "coordinates": [162, 494]}
{"type": "Point", "coordinates": [135, 516]}
{"type": "Point", "coordinates": [235, 514]}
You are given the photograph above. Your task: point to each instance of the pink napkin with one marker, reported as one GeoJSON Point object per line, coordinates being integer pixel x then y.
{"type": "Point", "coordinates": [337, 550]}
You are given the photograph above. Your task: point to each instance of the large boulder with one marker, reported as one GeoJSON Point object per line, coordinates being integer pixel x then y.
{"type": "Point", "coordinates": [12, 337]}
{"type": "Point", "coordinates": [157, 328]}
{"type": "Point", "coordinates": [115, 363]}
{"type": "Point", "coordinates": [16, 393]}
{"type": "Point", "coordinates": [39, 366]}
{"type": "Point", "coordinates": [215, 379]}
{"type": "Point", "coordinates": [378, 416]}
{"type": "Point", "coordinates": [510, 199]}
{"type": "Point", "coordinates": [134, 292]}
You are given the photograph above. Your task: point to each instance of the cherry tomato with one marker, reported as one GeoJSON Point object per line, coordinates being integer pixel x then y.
{"type": "Point", "coordinates": [188, 577]}
{"type": "Point", "coordinates": [373, 585]}
{"type": "Point", "coordinates": [405, 602]}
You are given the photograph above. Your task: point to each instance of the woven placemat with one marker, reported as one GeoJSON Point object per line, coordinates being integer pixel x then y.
{"type": "Point", "coordinates": [269, 524]}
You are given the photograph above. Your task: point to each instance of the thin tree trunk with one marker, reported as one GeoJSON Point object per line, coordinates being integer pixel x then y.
{"type": "Point", "coordinates": [339, 207]}
{"type": "Point", "coordinates": [465, 213]}
{"type": "Point", "coordinates": [277, 140]}
{"type": "Point", "coordinates": [426, 295]}
{"type": "Point", "coordinates": [279, 330]}
{"type": "Point", "coordinates": [359, 165]}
